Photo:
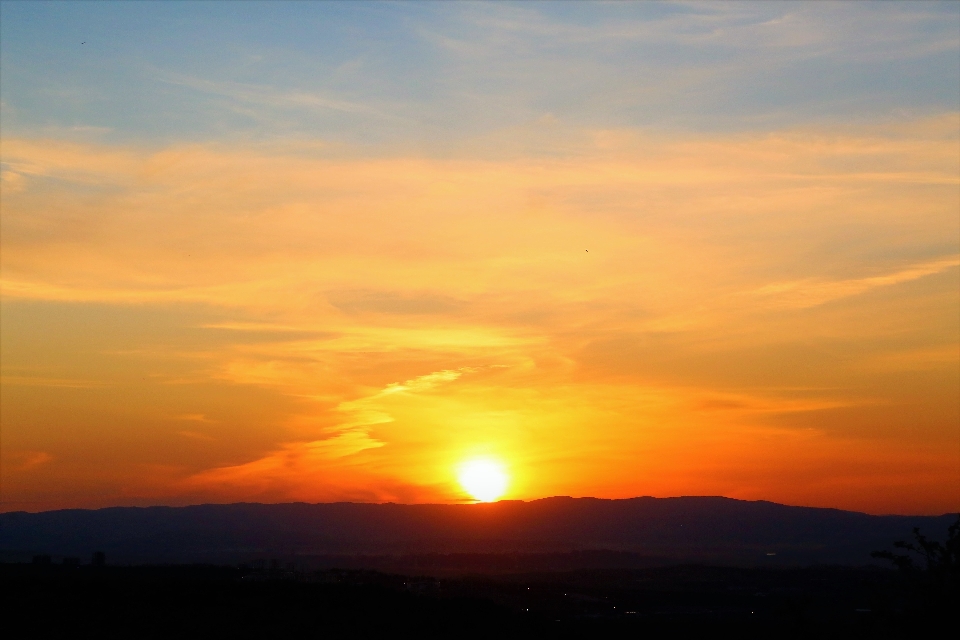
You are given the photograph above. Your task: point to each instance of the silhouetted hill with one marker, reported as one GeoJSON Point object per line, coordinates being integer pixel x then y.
{"type": "Point", "coordinates": [698, 529]}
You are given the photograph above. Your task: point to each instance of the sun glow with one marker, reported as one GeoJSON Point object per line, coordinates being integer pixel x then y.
{"type": "Point", "coordinates": [484, 479]}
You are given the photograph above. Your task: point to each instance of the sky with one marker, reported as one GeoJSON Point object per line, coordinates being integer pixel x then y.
{"type": "Point", "coordinates": [332, 251]}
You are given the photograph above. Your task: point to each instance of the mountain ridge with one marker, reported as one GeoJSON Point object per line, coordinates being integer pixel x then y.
{"type": "Point", "coordinates": [686, 528]}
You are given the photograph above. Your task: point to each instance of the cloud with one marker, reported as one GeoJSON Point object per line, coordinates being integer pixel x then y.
{"type": "Point", "coordinates": [194, 435]}
{"type": "Point", "coordinates": [194, 417]}
{"type": "Point", "coordinates": [254, 227]}
{"type": "Point", "coordinates": [737, 65]}
{"type": "Point", "coordinates": [11, 182]}
{"type": "Point", "coordinates": [801, 294]}
{"type": "Point", "coordinates": [392, 302]}
{"type": "Point", "coordinates": [747, 404]}
{"type": "Point", "coordinates": [837, 31]}
{"type": "Point", "coordinates": [308, 468]}
{"type": "Point", "coordinates": [29, 460]}
{"type": "Point", "coordinates": [256, 327]}
{"type": "Point", "coordinates": [269, 96]}
{"type": "Point", "coordinates": [44, 381]}
{"type": "Point", "coordinates": [358, 324]}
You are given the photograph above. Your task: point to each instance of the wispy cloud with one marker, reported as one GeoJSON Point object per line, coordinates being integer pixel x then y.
{"type": "Point", "coordinates": [194, 417]}
{"type": "Point", "coordinates": [196, 435]}
{"type": "Point", "coordinates": [28, 460]}
{"type": "Point", "coordinates": [359, 324]}
{"type": "Point", "coordinates": [837, 30]}
{"type": "Point", "coordinates": [810, 293]}
{"type": "Point", "coordinates": [266, 95]}
{"type": "Point", "coordinates": [295, 466]}
{"type": "Point", "coordinates": [11, 182]}
{"type": "Point", "coordinates": [44, 381]}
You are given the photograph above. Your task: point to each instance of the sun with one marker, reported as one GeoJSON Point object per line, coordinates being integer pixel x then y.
{"type": "Point", "coordinates": [484, 479]}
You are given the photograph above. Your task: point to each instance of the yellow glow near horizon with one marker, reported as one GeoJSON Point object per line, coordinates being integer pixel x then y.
{"type": "Point", "coordinates": [484, 479]}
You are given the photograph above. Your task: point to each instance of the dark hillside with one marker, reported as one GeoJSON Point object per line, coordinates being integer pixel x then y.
{"type": "Point", "coordinates": [709, 529]}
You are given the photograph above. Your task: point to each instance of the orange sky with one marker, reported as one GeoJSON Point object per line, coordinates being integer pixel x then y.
{"type": "Point", "coordinates": [610, 311]}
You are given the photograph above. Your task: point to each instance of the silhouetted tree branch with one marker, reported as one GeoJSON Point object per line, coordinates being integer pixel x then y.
{"type": "Point", "coordinates": [936, 556]}
{"type": "Point", "coordinates": [933, 585]}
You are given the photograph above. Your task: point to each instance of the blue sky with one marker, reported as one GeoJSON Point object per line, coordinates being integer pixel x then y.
{"type": "Point", "coordinates": [433, 75]}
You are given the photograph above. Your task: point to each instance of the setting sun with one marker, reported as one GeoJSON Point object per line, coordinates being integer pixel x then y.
{"type": "Point", "coordinates": [485, 480]}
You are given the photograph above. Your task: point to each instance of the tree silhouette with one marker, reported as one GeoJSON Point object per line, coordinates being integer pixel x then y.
{"type": "Point", "coordinates": [941, 559]}
{"type": "Point", "coordinates": [931, 572]}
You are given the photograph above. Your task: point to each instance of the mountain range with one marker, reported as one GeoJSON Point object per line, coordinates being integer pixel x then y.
{"type": "Point", "coordinates": [651, 530]}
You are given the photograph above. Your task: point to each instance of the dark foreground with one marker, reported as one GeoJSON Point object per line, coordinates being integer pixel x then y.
{"type": "Point", "coordinates": [47, 601]}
